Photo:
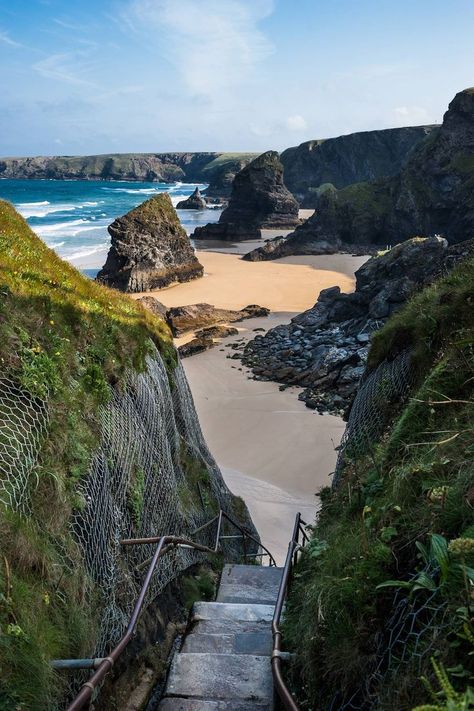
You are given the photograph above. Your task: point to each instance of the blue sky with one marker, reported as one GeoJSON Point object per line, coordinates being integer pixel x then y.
{"type": "Point", "coordinates": [153, 75]}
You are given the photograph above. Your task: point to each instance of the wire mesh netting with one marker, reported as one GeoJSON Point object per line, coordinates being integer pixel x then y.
{"type": "Point", "coordinates": [23, 424]}
{"type": "Point", "coordinates": [388, 384]}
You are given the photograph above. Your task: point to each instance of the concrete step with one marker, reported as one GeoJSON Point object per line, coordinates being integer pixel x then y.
{"type": "Point", "coordinates": [222, 626]}
{"type": "Point", "coordinates": [182, 704]}
{"type": "Point", "coordinates": [232, 611]}
{"type": "Point", "coordinates": [249, 584]}
{"type": "Point", "coordinates": [257, 643]}
{"type": "Point", "coordinates": [238, 677]}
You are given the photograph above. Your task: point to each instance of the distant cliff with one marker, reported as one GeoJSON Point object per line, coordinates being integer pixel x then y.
{"type": "Point", "coordinates": [347, 159]}
{"type": "Point", "coordinates": [432, 194]}
{"type": "Point", "coordinates": [218, 169]}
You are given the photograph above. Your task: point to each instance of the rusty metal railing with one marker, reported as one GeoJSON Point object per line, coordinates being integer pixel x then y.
{"type": "Point", "coordinates": [164, 545]}
{"type": "Point", "coordinates": [294, 548]}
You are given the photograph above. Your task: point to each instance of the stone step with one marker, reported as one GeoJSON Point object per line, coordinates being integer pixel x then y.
{"type": "Point", "coordinates": [239, 677]}
{"type": "Point", "coordinates": [183, 704]}
{"type": "Point", "coordinates": [232, 611]}
{"type": "Point", "coordinates": [257, 643]}
{"type": "Point", "coordinates": [222, 626]}
{"type": "Point", "coordinates": [249, 583]}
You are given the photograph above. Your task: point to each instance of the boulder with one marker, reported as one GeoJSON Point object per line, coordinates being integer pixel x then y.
{"type": "Point", "coordinates": [193, 202]}
{"type": "Point", "coordinates": [259, 200]}
{"type": "Point", "coordinates": [153, 305]}
{"type": "Point", "coordinates": [149, 249]}
{"type": "Point", "coordinates": [182, 319]}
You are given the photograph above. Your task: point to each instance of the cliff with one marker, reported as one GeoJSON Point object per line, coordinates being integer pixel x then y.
{"type": "Point", "coordinates": [380, 616]}
{"type": "Point", "coordinates": [259, 200]}
{"type": "Point", "coordinates": [150, 249]}
{"type": "Point", "coordinates": [218, 169]}
{"type": "Point", "coordinates": [100, 442]}
{"type": "Point", "coordinates": [357, 157]}
{"type": "Point", "coordinates": [432, 194]}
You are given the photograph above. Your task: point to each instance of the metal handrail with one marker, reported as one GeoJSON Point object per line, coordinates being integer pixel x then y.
{"type": "Point", "coordinates": [164, 545]}
{"type": "Point", "coordinates": [294, 547]}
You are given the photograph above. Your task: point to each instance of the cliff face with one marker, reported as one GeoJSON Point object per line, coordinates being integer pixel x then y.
{"type": "Point", "coordinates": [433, 194]}
{"type": "Point", "coordinates": [218, 169]}
{"type": "Point", "coordinates": [99, 442]}
{"type": "Point", "coordinates": [150, 249]}
{"type": "Point", "coordinates": [259, 200]}
{"type": "Point", "coordinates": [349, 159]}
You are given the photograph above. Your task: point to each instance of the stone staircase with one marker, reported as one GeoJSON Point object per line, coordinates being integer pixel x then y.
{"type": "Point", "coordinates": [224, 663]}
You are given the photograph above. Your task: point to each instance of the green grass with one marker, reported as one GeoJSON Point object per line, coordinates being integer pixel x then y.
{"type": "Point", "coordinates": [64, 339]}
{"type": "Point", "coordinates": [228, 160]}
{"type": "Point", "coordinates": [418, 480]}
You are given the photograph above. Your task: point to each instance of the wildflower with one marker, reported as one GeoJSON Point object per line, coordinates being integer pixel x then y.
{"type": "Point", "coordinates": [461, 547]}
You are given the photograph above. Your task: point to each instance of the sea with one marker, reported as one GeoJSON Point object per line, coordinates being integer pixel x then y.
{"type": "Point", "coordinates": [72, 216]}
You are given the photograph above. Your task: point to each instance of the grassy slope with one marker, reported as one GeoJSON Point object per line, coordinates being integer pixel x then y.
{"type": "Point", "coordinates": [418, 480]}
{"type": "Point", "coordinates": [64, 337]}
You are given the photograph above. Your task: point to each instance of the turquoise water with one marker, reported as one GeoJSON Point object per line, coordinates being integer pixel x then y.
{"type": "Point", "coordinates": [71, 216]}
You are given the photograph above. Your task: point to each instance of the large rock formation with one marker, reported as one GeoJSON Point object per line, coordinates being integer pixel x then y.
{"type": "Point", "coordinates": [433, 194]}
{"type": "Point", "coordinates": [150, 249]}
{"type": "Point", "coordinates": [325, 348]}
{"type": "Point", "coordinates": [182, 319]}
{"type": "Point", "coordinates": [368, 155]}
{"type": "Point", "coordinates": [259, 200]}
{"type": "Point", "coordinates": [193, 202]}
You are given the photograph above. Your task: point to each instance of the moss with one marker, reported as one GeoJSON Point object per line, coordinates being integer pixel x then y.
{"type": "Point", "coordinates": [201, 586]}
{"type": "Point", "coordinates": [66, 340]}
{"type": "Point", "coordinates": [196, 485]}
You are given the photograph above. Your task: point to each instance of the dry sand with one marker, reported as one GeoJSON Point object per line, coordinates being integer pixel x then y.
{"type": "Point", "coordinates": [272, 450]}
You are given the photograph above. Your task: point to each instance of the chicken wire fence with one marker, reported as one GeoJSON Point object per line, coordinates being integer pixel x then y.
{"type": "Point", "coordinates": [410, 638]}
{"type": "Point", "coordinates": [390, 383]}
{"type": "Point", "coordinates": [136, 487]}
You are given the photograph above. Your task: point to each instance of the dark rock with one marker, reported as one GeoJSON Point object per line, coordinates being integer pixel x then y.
{"type": "Point", "coordinates": [217, 332]}
{"type": "Point", "coordinates": [432, 194]}
{"type": "Point", "coordinates": [193, 202]}
{"type": "Point", "coordinates": [149, 249]}
{"type": "Point", "coordinates": [316, 166]}
{"type": "Point", "coordinates": [259, 200]}
{"type": "Point", "coordinates": [189, 318]}
{"type": "Point", "coordinates": [325, 348]}
{"type": "Point", "coordinates": [197, 345]}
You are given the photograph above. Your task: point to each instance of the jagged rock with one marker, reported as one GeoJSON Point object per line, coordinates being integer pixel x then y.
{"type": "Point", "coordinates": [153, 305]}
{"type": "Point", "coordinates": [259, 200]}
{"type": "Point", "coordinates": [150, 249]}
{"type": "Point", "coordinates": [325, 348]}
{"type": "Point", "coordinates": [197, 345]}
{"type": "Point", "coordinates": [217, 332]}
{"type": "Point", "coordinates": [193, 202]}
{"type": "Point", "coordinates": [432, 194]}
{"type": "Point", "coordinates": [333, 163]}
{"type": "Point", "coordinates": [182, 319]}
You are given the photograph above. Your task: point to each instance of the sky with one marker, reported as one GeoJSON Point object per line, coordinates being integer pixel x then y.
{"type": "Point", "coordinates": [102, 76]}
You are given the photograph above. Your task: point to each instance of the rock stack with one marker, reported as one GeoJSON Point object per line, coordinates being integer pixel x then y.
{"type": "Point", "coordinates": [259, 200]}
{"type": "Point", "coordinates": [149, 249]}
{"type": "Point", "coordinates": [193, 202]}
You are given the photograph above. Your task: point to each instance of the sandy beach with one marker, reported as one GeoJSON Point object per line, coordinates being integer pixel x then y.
{"type": "Point", "coordinates": [272, 450]}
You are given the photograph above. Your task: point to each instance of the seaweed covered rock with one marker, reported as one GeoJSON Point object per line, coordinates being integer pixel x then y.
{"type": "Point", "coordinates": [259, 200]}
{"type": "Point", "coordinates": [432, 194]}
{"type": "Point", "coordinates": [149, 249]}
{"type": "Point", "coordinates": [193, 202]}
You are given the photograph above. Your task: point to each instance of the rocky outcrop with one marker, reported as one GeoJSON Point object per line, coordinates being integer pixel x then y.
{"type": "Point", "coordinates": [182, 319]}
{"type": "Point", "coordinates": [325, 348]}
{"type": "Point", "coordinates": [193, 202]}
{"type": "Point", "coordinates": [314, 165]}
{"type": "Point", "coordinates": [259, 200]}
{"type": "Point", "coordinates": [433, 194]}
{"type": "Point", "coordinates": [218, 169]}
{"type": "Point", "coordinates": [205, 339]}
{"type": "Point", "coordinates": [150, 249]}
{"type": "Point", "coordinates": [153, 305]}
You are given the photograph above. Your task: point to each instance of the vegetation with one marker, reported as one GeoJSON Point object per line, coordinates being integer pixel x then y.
{"type": "Point", "coordinates": [392, 555]}
{"type": "Point", "coordinates": [201, 586]}
{"type": "Point", "coordinates": [64, 339]}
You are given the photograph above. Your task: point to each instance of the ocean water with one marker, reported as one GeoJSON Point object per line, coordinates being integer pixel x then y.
{"type": "Point", "coordinates": [72, 216]}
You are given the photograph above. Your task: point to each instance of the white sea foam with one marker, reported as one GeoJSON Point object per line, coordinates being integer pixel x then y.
{"type": "Point", "coordinates": [86, 251]}
{"type": "Point", "coordinates": [56, 245]}
{"type": "Point", "coordinates": [45, 208]}
{"type": "Point", "coordinates": [67, 229]}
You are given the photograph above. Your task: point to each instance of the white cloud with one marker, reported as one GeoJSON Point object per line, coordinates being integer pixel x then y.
{"type": "Point", "coordinates": [6, 39]}
{"type": "Point", "coordinates": [213, 44]}
{"type": "Point", "coordinates": [296, 123]}
{"type": "Point", "coordinates": [65, 67]}
{"type": "Point", "coordinates": [411, 115]}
